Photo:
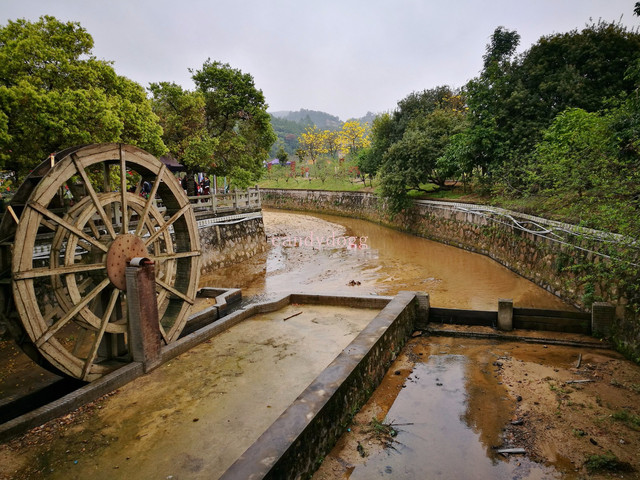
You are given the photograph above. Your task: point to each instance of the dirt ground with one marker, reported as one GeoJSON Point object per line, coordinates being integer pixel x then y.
{"type": "Point", "coordinates": [519, 395]}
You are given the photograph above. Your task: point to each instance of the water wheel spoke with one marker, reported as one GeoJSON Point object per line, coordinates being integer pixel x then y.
{"type": "Point", "coordinates": [164, 334]}
{"type": "Point", "coordinates": [70, 314]}
{"type": "Point", "coordinates": [94, 196]}
{"type": "Point", "coordinates": [63, 270]}
{"type": "Point", "coordinates": [163, 257]}
{"type": "Point", "coordinates": [150, 200]}
{"type": "Point", "coordinates": [48, 224]}
{"type": "Point", "coordinates": [123, 192]}
{"type": "Point", "coordinates": [175, 292]}
{"type": "Point", "coordinates": [63, 223]}
{"type": "Point", "coordinates": [100, 333]}
{"type": "Point", "coordinates": [167, 224]}
{"type": "Point", "coordinates": [94, 229]}
{"type": "Point", "coordinates": [106, 180]}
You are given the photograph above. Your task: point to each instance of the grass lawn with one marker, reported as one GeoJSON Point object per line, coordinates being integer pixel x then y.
{"type": "Point", "coordinates": [332, 184]}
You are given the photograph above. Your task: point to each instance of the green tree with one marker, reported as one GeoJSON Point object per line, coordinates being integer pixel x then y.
{"type": "Point", "coordinates": [516, 98]}
{"type": "Point", "coordinates": [54, 94]}
{"type": "Point", "coordinates": [236, 116]}
{"type": "Point", "coordinates": [282, 156]}
{"type": "Point", "coordinates": [370, 159]}
{"type": "Point", "coordinates": [576, 154]}
{"type": "Point", "coordinates": [416, 158]}
{"type": "Point", "coordinates": [428, 121]}
{"type": "Point", "coordinates": [486, 140]}
{"type": "Point", "coordinates": [183, 120]}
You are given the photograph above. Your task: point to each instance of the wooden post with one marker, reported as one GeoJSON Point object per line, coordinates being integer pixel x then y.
{"type": "Point", "coordinates": [505, 314]}
{"type": "Point", "coordinates": [213, 202]}
{"type": "Point", "coordinates": [144, 326]}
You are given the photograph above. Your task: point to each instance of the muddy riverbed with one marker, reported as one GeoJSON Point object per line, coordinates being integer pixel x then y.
{"type": "Point", "coordinates": [381, 261]}
{"type": "Point", "coordinates": [449, 402]}
{"type": "Point", "coordinates": [192, 417]}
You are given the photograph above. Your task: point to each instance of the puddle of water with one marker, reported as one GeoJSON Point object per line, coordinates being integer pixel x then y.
{"type": "Point", "coordinates": [435, 438]}
{"type": "Point", "coordinates": [447, 402]}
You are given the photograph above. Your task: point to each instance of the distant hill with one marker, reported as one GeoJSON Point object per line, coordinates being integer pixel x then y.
{"type": "Point", "coordinates": [289, 125]}
{"type": "Point", "coordinates": [280, 114]}
{"type": "Point", "coordinates": [368, 118]}
{"type": "Point", "coordinates": [322, 120]}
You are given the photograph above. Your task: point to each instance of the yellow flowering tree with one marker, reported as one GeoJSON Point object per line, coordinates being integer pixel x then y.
{"type": "Point", "coordinates": [354, 136]}
{"type": "Point", "coordinates": [332, 142]}
{"type": "Point", "coordinates": [313, 143]}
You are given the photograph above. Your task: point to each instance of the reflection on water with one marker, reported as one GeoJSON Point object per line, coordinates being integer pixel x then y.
{"type": "Point", "coordinates": [393, 261]}
{"type": "Point", "coordinates": [435, 438]}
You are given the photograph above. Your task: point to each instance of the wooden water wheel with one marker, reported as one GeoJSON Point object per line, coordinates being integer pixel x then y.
{"type": "Point", "coordinates": [68, 234]}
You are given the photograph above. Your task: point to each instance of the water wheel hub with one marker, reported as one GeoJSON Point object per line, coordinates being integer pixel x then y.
{"type": "Point", "coordinates": [122, 250]}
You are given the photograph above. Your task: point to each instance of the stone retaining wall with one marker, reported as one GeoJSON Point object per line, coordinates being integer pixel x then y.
{"type": "Point", "coordinates": [227, 243]}
{"type": "Point", "coordinates": [564, 265]}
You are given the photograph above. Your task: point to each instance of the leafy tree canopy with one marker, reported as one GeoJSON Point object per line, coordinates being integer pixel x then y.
{"type": "Point", "coordinates": [428, 121]}
{"type": "Point", "coordinates": [236, 116]}
{"type": "Point", "coordinates": [516, 98]}
{"type": "Point", "coordinates": [183, 120]}
{"type": "Point", "coordinates": [54, 94]}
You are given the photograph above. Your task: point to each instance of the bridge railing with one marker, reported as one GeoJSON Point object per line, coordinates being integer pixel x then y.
{"type": "Point", "coordinates": [235, 201]}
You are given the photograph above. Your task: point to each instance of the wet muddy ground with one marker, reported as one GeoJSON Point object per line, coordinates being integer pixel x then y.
{"type": "Point", "coordinates": [447, 406]}
{"type": "Point", "coordinates": [194, 416]}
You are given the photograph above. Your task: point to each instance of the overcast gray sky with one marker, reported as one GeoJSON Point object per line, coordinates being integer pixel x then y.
{"type": "Point", "coordinates": [344, 57]}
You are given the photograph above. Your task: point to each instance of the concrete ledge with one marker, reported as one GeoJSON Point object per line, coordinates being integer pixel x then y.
{"type": "Point", "coordinates": [360, 301]}
{"type": "Point", "coordinates": [296, 442]}
{"type": "Point", "coordinates": [225, 297]}
{"type": "Point", "coordinates": [515, 336]}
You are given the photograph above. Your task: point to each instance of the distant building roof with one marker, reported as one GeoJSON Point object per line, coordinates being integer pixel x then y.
{"type": "Point", "coordinates": [171, 163]}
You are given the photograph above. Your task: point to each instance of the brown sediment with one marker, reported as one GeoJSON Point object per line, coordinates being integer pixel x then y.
{"type": "Point", "coordinates": [393, 261]}
{"type": "Point", "coordinates": [516, 396]}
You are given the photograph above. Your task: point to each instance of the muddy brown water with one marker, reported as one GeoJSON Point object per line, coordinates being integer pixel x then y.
{"type": "Point", "coordinates": [440, 413]}
{"type": "Point", "coordinates": [383, 261]}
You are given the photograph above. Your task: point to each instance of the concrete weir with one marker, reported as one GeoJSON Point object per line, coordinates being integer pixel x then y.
{"type": "Point", "coordinates": [308, 429]}
{"type": "Point", "coordinates": [303, 429]}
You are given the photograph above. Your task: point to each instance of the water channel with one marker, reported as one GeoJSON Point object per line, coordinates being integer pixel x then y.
{"type": "Point", "coordinates": [447, 409]}
{"type": "Point", "coordinates": [159, 435]}
{"type": "Point", "coordinates": [317, 258]}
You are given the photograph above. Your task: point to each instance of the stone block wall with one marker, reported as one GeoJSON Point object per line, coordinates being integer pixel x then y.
{"type": "Point", "coordinates": [231, 242]}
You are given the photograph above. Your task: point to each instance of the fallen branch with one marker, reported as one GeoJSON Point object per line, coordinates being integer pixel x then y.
{"type": "Point", "coordinates": [512, 450]}
{"type": "Point", "coordinates": [579, 381]}
{"type": "Point", "coordinates": [291, 316]}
